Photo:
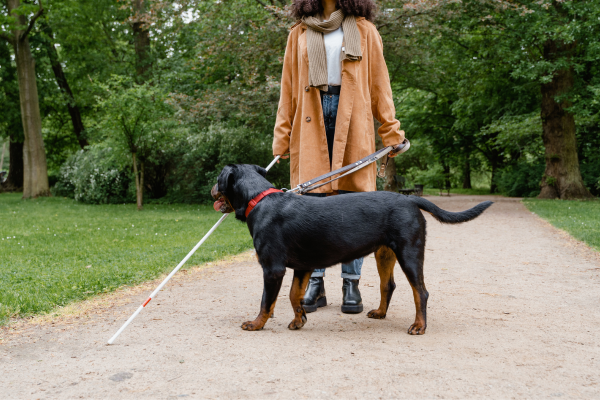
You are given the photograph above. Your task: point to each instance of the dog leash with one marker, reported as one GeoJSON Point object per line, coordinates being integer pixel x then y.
{"type": "Point", "coordinates": [381, 154]}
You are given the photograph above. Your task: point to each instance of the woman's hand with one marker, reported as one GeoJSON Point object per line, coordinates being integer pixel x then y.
{"type": "Point", "coordinates": [282, 157]}
{"type": "Point", "coordinates": [397, 148]}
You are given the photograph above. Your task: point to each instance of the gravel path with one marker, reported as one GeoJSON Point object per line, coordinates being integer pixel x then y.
{"type": "Point", "coordinates": [514, 311]}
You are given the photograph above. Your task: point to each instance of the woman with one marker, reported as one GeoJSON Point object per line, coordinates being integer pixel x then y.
{"type": "Point", "coordinates": [334, 82]}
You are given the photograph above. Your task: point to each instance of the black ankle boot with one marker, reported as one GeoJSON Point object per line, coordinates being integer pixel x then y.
{"type": "Point", "coordinates": [315, 295]}
{"type": "Point", "coordinates": [352, 303]}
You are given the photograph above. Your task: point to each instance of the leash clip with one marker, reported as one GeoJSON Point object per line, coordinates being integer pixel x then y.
{"type": "Point", "coordinates": [382, 167]}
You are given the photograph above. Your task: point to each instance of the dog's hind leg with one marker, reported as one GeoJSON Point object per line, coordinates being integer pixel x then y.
{"type": "Point", "coordinates": [386, 260]}
{"type": "Point", "coordinates": [411, 260]}
{"type": "Point", "coordinates": [273, 277]}
{"type": "Point", "coordinates": [297, 291]}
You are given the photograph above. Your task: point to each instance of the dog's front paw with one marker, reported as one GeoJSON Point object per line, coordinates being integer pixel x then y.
{"type": "Point", "coordinates": [297, 324]}
{"type": "Point", "coordinates": [417, 329]}
{"type": "Point", "coordinates": [251, 326]}
{"type": "Point", "coordinates": [376, 314]}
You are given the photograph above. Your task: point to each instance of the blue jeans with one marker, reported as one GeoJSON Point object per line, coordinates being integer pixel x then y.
{"type": "Point", "coordinates": [330, 102]}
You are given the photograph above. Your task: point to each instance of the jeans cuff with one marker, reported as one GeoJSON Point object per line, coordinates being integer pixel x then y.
{"type": "Point", "coordinates": [318, 274]}
{"type": "Point", "coordinates": [350, 276]}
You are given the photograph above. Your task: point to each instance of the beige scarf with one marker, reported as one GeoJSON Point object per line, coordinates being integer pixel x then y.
{"type": "Point", "coordinates": [317, 56]}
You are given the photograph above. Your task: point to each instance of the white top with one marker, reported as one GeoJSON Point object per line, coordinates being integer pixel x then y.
{"type": "Point", "coordinates": [333, 47]}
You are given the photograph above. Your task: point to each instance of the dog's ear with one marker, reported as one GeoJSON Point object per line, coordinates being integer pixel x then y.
{"type": "Point", "coordinates": [225, 179]}
{"type": "Point", "coordinates": [260, 170]}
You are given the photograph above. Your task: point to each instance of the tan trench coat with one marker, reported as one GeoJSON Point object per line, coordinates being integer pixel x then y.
{"type": "Point", "coordinates": [366, 93]}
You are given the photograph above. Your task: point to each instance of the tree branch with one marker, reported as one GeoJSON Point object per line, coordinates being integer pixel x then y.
{"type": "Point", "coordinates": [261, 3]}
{"type": "Point", "coordinates": [32, 21]}
{"type": "Point", "coordinates": [6, 37]}
{"type": "Point", "coordinates": [268, 9]}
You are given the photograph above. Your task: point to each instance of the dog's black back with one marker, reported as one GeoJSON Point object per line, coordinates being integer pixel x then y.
{"type": "Point", "coordinates": [304, 232]}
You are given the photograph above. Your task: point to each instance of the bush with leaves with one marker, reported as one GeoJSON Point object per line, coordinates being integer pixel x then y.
{"type": "Point", "coordinates": [96, 176]}
{"type": "Point", "coordinates": [521, 179]}
{"type": "Point", "coordinates": [202, 155]}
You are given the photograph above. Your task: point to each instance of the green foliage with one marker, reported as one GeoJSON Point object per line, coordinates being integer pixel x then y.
{"type": "Point", "coordinates": [521, 179]}
{"type": "Point", "coordinates": [95, 176]}
{"type": "Point", "coordinates": [581, 219]}
{"type": "Point", "coordinates": [433, 177]}
{"type": "Point", "coordinates": [466, 78]}
{"type": "Point", "coordinates": [55, 251]}
{"type": "Point", "coordinates": [136, 116]}
{"type": "Point", "coordinates": [182, 169]}
{"type": "Point", "coordinates": [10, 111]}
{"type": "Point", "coordinates": [200, 158]}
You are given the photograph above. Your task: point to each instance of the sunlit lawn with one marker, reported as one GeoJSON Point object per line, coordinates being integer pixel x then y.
{"type": "Point", "coordinates": [473, 192]}
{"type": "Point", "coordinates": [54, 251]}
{"type": "Point", "coordinates": [580, 218]}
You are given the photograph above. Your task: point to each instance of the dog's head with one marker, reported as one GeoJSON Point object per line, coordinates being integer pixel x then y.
{"type": "Point", "coordinates": [236, 186]}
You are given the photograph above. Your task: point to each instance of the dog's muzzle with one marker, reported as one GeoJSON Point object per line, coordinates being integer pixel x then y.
{"type": "Point", "coordinates": [221, 203]}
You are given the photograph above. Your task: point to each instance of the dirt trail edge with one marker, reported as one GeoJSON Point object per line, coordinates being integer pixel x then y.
{"type": "Point", "coordinates": [513, 312]}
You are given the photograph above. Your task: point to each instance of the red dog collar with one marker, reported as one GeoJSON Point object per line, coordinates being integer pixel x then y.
{"type": "Point", "coordinates": [258, 198]}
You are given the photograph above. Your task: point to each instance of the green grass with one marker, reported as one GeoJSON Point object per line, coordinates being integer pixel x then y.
{"type": "Point", "coordinates": [580, 218]}
{"type": "Point", "coordinates": [474, 191]}
{"type": "Point", "coordinates": [55, 251]}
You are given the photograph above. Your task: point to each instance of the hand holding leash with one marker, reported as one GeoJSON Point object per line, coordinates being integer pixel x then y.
{"type": "Point", "coordinates": [396, 149]}
{"type": "Point", "coordinates": [399, 148]}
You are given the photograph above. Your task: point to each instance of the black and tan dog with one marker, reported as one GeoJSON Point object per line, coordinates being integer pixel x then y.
{"type": "Point", "coordinates": [304, 233]}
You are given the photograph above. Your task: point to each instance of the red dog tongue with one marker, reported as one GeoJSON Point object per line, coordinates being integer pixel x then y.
{"type": "Point", "coordinates": [217, 205]}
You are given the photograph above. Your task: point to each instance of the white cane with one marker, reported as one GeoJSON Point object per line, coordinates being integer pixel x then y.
{"type": "Point", "coordinates": [163, 283]}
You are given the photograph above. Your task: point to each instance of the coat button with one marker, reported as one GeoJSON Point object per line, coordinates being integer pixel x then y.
{"type": "Point", "coordinates": [306, 89]}
{"type": "Point", "coordinates": [307, 119]}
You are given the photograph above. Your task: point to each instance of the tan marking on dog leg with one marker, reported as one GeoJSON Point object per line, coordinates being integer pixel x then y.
{"type": "Point", "coordinates": [297, 291]}
{"type": "Point", "coordinates": [386, 260]}
{"type": "Point", "coordinates": [260, 321]}
{"type": "Point", "coordinates": [267, 305]}
{"type": "Point", "coordinates": [420, 324]}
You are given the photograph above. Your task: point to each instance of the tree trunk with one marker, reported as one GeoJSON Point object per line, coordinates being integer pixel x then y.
{"type": "Point", "coordinates": [63, 84]}
{"type": "Point", "coordinates": [35, 170]}
{"type": "Point", "coordinates": [138, 183]}
{"type": "Point", "coordinates": [15, 167]}
{"type": "Point", "coordinates": [141, 40]}
{"type": "Point", "coordinates": [390, 177]}
{"type": "Point", "coordinates": [2, 156]}
{"type": "Point", "coordinates": [467, 174]}
{"type": "Point", "coordinates": [141, 195]}
{"type": "Point", "coordinates": [562, 177]}
{"type": "Point", "coordinates": [493, 186]}
{"type": "Point", "coordinates": [446, 167]}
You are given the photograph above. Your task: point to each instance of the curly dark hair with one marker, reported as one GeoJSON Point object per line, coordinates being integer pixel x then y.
{"type": "Point", "coordinates": [358, 8]}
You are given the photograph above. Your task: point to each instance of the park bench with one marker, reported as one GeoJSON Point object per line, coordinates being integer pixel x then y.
{"type": "Point", "coordinates": [401, 181]}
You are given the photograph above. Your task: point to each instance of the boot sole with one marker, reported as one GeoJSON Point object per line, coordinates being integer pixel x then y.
{"type": "Point", "coordinates": [352, 309]}
{"type": "Point", "coordinates": [322, 302]}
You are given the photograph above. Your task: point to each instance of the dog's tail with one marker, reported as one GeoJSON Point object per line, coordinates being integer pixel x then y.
{"type": "Point", "coordinates": [448, 217]}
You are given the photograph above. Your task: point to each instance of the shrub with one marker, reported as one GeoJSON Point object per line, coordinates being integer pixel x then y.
{"type": "Point", "coordinates": [182, 170]}
{"type": "Point", "coordinates": [521, 179]}
{"type": "Point", "coordinates": [201, 156]}
{"type": "Point", "coordinates": [590, 172]}
{"type": "Point", "coordinates": [96, 176]}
